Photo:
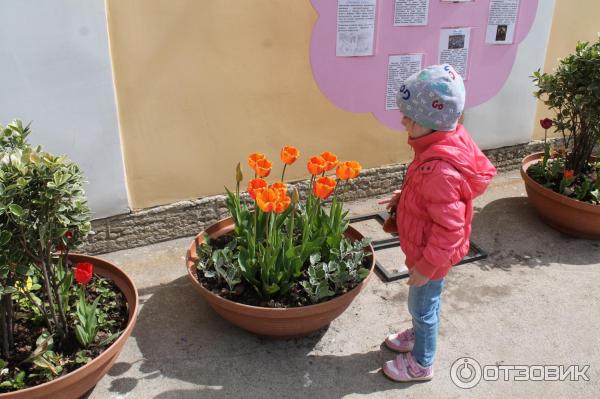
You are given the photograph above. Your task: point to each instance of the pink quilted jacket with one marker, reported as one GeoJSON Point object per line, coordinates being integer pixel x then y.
{"type": "Point", "coordinates": [435, 209]}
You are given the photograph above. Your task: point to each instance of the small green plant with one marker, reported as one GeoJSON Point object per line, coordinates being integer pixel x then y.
{"type": "Point", "coordinates": [326, 279]}
{"type": "Point", "coordinates": [87, 327]}
{"type": "Point", "coordinates": [44, 359]}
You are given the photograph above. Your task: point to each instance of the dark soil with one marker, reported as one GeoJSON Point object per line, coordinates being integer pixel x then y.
{"type": "Point", "coordinates": [246, 294]}
{"type": "Point", "coordinates": [27, 331]}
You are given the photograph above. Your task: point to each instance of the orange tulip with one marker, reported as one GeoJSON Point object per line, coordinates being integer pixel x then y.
{"type": "Point", "coordinates": [263, 167]}
{"type": "Point", "coordinates": [289, 155]}
{"type": "Point", "coordinates": [323, 187]}
{"type": "Point", "coordinates": [255, 185]}
{"type": "Point", "coordinates": [316, 165]}
{"type": "Point", "coordinates": [569, 174]}
{"type": "Point", "coordinates": [330, 160]}
{"type": "Point", "coordinates": [280, 187]}
{"type": "Point", "coordinates": [282, 203]}
{"type": "Point", "coordinates": [253, 158]}
{"type": "Point", "coordinates": [348, 170]}
{"type": "Point", "coordinates": [266, 199]}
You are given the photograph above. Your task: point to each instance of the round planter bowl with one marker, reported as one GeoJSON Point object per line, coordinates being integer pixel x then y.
{"type": "Point", "coordinates": [272, 322]}
{"type": "Point", "coordinates": [78, 382]}
{"type": "Point", "coordinates": [570, 216]}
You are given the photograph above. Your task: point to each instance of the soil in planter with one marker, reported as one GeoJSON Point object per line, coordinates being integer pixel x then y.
{"type": "Point", "coordinates": [246, 294]}
{"type": "Point", "coordinates": [575, 189]}
{"type": "Point", "coordinates": [114, 316]}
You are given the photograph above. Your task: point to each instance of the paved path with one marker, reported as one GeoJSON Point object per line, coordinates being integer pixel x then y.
{"type": "Point", "coordinates": [534, 301]}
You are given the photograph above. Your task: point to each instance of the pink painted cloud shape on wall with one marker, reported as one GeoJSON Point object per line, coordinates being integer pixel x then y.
{"type": "Point", "coordinates": [358, 84]}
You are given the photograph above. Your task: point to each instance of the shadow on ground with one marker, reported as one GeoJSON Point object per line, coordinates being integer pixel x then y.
{"type": "Point", "coordinates": [514, 236]}
{"type": "Point", "coordinates": [180, 337]}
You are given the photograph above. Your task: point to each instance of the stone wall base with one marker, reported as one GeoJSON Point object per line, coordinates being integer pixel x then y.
{"type": "Point", "coordinates": [187, 218]}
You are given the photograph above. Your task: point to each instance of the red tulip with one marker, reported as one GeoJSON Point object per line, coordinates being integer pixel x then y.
{"type": "Point", "coordinates": [255, 185]}
{"type": "Point", "coordinates": [83, 272]}
{"type": "Point", "coordinates": [316, 165]}
{"type": "Point", "coordinates": [546, 123]}
{"type": "Point", "coordinates": [289, 155]}
{"type": "Point", "coordinates": [331, 160]}
{"type": "Point", "coordinates": [323, 187]}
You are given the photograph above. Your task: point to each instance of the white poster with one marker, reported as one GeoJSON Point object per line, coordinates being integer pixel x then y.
{"type": "Point", "coordinates": [502, 20]}
{"type": "Point", "coordinates": [411, 12]}
{"type": "Point", "coordinates": [454, 49]}
{"type": "Point", "coordinates": [400, 67]}
{"type": "Point", "coordinates": [355, 27]}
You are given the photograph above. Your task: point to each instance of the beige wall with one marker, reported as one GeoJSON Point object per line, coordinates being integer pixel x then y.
{"type": "Point", "coordinates": [201, 84]}
{"type": "Point", "coordinates": [573, 20]}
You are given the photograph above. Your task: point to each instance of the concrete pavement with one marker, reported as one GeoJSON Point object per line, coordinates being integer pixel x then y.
{"type": "Point", "coordinates": [533, 301]}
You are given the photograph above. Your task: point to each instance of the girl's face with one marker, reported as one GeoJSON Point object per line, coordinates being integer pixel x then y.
{"type": "Point", "coordinates": [414, 129]}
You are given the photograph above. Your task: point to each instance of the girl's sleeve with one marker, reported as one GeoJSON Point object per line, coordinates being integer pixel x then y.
{"type": "Point", "coordinates": [442, 196]}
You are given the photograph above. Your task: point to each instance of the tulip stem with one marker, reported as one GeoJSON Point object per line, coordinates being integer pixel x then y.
{"type": "Point", "coordinates": [291, 225]}
{"type": "Point", "coordinates": [283, 173]}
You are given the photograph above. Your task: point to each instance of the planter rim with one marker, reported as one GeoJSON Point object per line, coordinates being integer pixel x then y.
{"type": "Point", "coordinates": [533, 158]}
{"type": "Point", "coordinates": [87, 368]}
{"type": "Point", "coordinates": [273, 312]}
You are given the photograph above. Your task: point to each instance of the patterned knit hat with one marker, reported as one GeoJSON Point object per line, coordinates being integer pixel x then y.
{"type": "Point", "coordinates": [433, 97]}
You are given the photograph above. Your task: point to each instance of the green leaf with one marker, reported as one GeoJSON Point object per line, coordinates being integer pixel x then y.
{"type": "Point", "coordinates": [111, 338]}
{"type": "Point", "coordinates": [20, 378]}
{"type": "Point", "coordinates": [16, 210]}
{"type": "Point", "coordinates": [5, 237]}
{"type": "Point", "coordinates": [271, 289]}
{"type": "Point", "coordinates": [363, 273]}
{"type": "Point", "coordinates": [315, 258]}
{"type": "Point", "coordinates": [81, 335]}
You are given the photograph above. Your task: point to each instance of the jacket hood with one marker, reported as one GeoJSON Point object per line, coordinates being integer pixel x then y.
{"type": "Point", "coordinates": [458, 149]}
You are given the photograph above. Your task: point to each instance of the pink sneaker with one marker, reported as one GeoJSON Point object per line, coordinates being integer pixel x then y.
{"type": "Point", "coordinates": [404, 368]}
{"type": "Point", "coordinates": [401, 342]}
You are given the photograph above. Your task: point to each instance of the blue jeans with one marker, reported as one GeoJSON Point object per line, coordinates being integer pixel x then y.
{"type": "Point", "coordinates": [424, 307]}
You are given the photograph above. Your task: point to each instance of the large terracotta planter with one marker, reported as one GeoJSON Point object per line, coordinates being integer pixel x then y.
{"type": "Point", "coordinates": [273, 322]}
{"type": "Point", "coordinates": [78, 382]}
{"type": "Point", "coordinates": [576, 218]}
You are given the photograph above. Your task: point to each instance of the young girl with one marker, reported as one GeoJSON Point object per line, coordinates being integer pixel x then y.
{"type": "Point", "coordinates": [434, 209]}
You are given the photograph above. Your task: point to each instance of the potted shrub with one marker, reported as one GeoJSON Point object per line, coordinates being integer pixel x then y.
{"type": "Point", "coordinates": [279, 266]}
{"type": "Point", "coordinates": [563, 184]}
{"type": "Point", "coordinates": [63, 317]}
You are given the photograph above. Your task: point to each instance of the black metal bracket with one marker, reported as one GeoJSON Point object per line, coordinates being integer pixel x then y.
{"type": "Point", "coordinates": [475, 253]}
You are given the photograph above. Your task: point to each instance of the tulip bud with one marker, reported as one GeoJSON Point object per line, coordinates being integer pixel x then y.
{"type": "Point", "coordinates": [238, 173]}
{"type": "Point", "coordinates": [295, 197]}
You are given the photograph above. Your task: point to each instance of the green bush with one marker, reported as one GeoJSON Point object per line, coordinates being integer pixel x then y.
{"type": "Point", "coordinates": [572, 91]}
{"type": "Point", "coordinates": [43, 214]}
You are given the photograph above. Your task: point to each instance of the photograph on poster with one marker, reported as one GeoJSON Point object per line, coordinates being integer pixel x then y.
{"type": "Point", "coordinates": [502, 20]}
{"type": "Point", "coordinates": [456, 41]}
{"type": "Point", "coordinates": [454, 49]}
{"type": "Point", "coordinates": [501, 33]}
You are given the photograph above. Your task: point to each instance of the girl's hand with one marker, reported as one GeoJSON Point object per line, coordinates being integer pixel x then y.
{"type": "Point", "coordinates": [391, 202]}
{"type": "Point", "coordinates": [416, 279]}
